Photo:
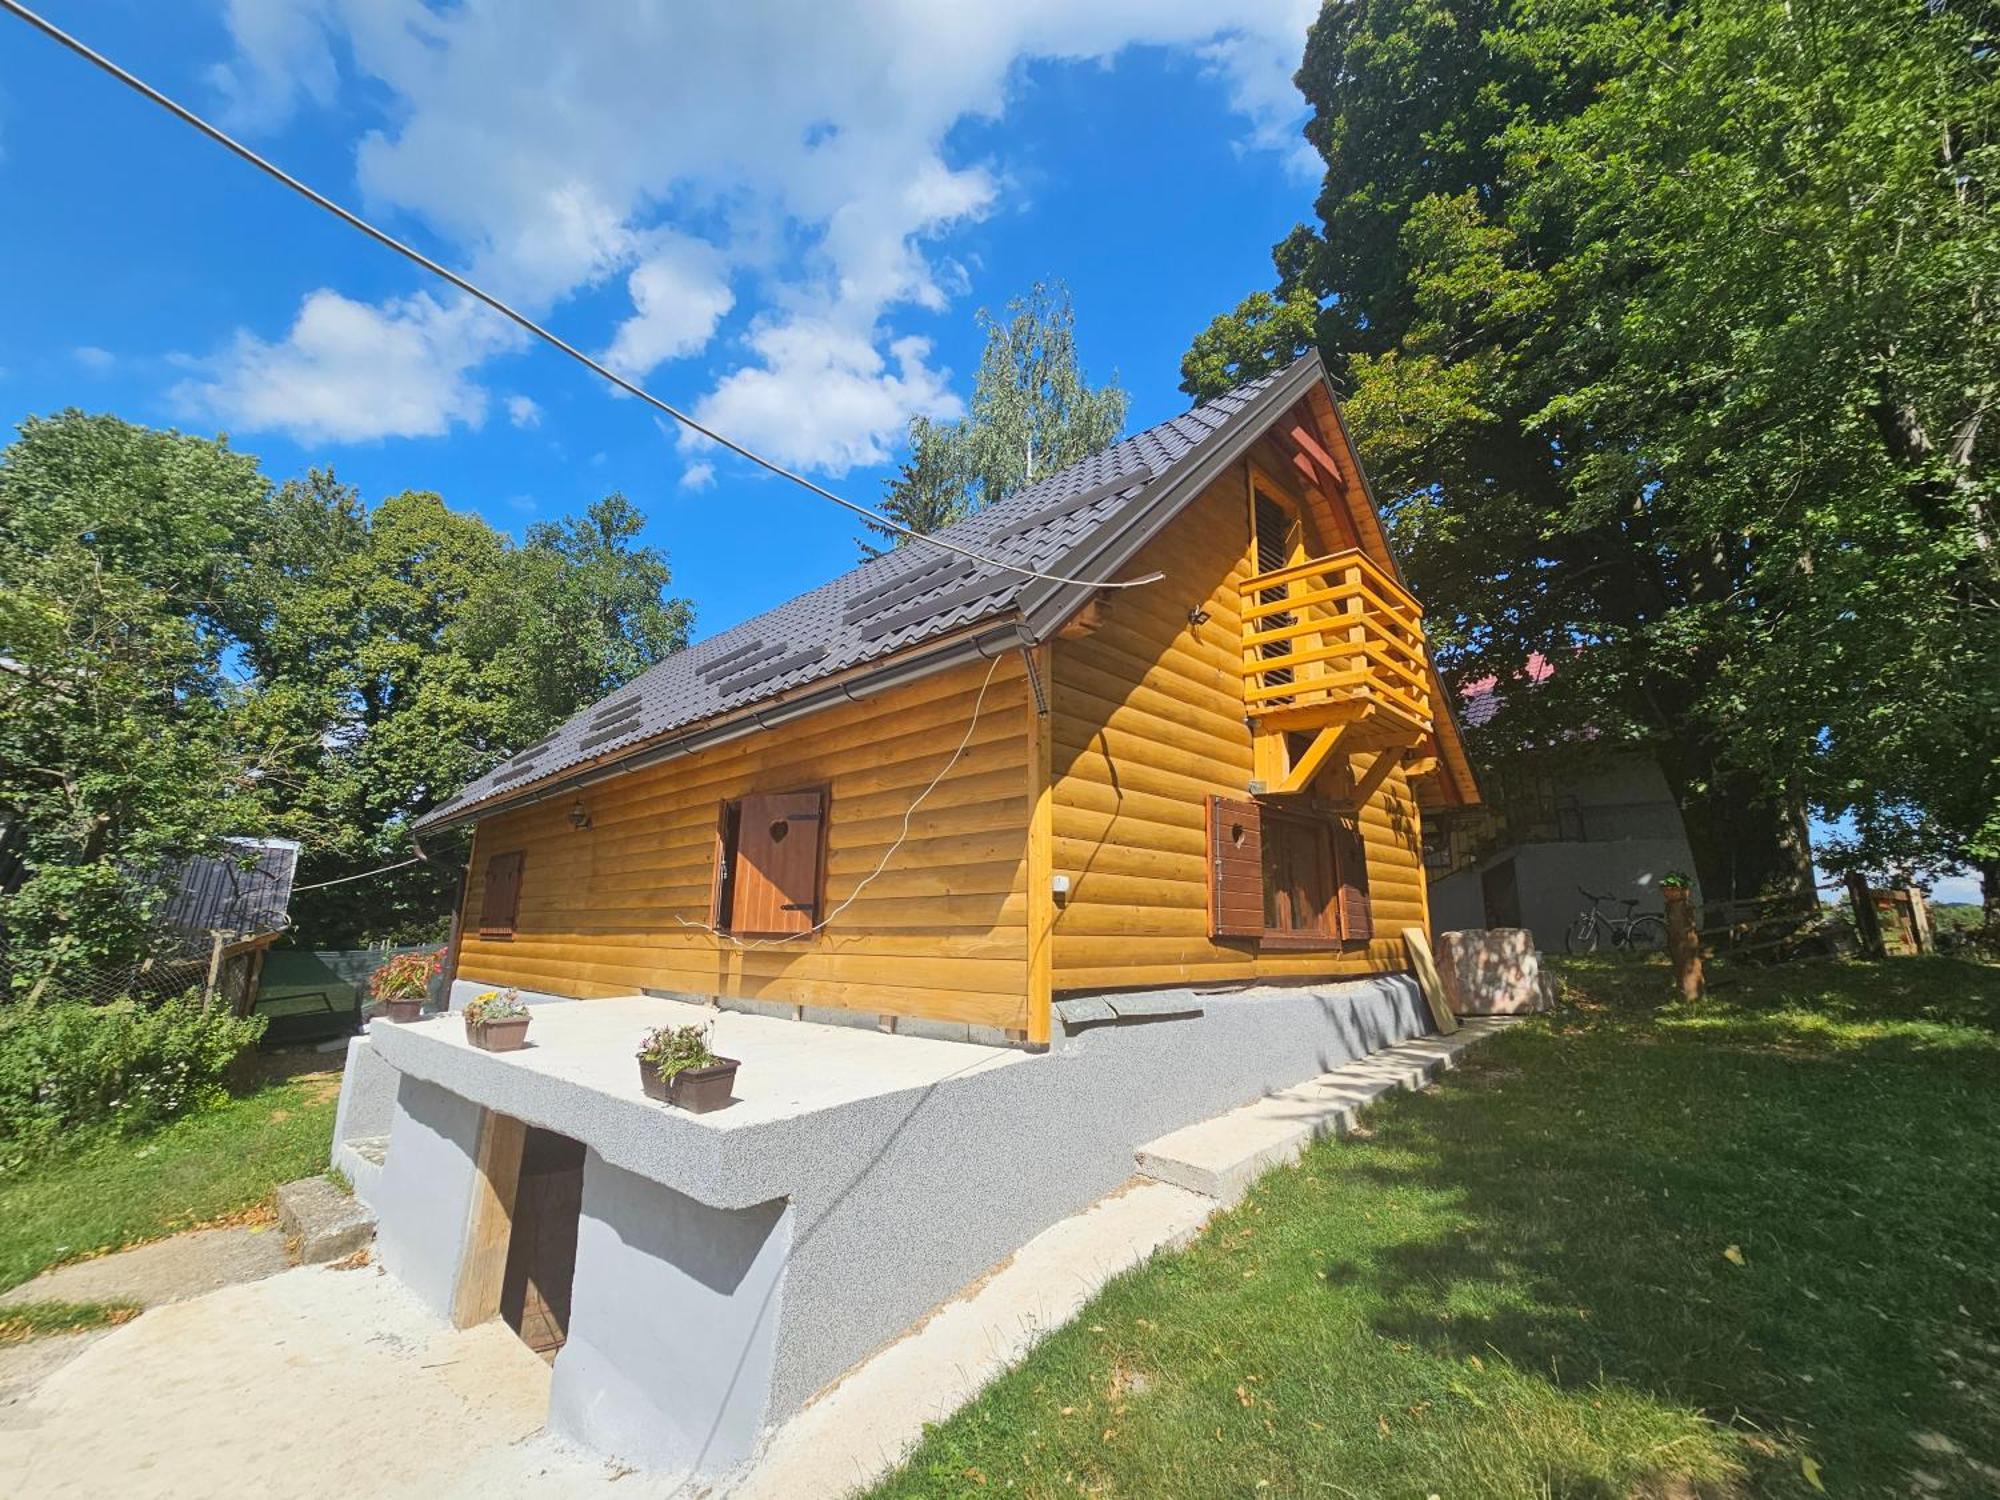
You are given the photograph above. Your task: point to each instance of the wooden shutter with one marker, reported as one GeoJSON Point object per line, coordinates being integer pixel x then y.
{"type": "Point", "coordinates": [1298, 878]}
{"type": "Point", "coordinates": [1235, 868]}
{"type": "Point", "coordinates": [1350, 856]}
{"type": "Point", "coordinates": [500, 900]}
{"type": "Point", "coordinates": [775, 880]}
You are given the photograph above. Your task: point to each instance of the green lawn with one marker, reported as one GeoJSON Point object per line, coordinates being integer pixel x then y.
{"type": "Point", "coordinates": [1629, 1250]}
{"type": "Point", "coordinates": [118, 1191]}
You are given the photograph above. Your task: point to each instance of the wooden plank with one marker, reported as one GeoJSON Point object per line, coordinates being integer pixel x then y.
{"type": "Point", "coordinates": [1039, 865]}
{"type": "Point", "coordinates": [482, 1264]}
{"type": "Point", "coordinates": [1428, 979]}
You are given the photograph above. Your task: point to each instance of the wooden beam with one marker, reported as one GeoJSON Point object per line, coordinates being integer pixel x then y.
{"type": "Point", "coordinates": [1429, 980]}
{"type": "Point", "coordinates": [1302, 438]}
{"type": "Point", "coordinates": [1306, 767]}
{"type": "Point", "coordinates": [1041, 916]}
{"type": "Point", "coordinates": [1378, 771]}
{"type": "Point", "coordinates": [489, 1224]}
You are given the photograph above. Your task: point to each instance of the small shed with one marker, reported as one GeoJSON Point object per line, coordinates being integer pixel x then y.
{"type": "Point", "coordinates": [222, 914]}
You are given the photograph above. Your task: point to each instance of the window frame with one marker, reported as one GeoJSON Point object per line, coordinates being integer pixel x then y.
{"type": "Point", "coordinates": [1325, 822]}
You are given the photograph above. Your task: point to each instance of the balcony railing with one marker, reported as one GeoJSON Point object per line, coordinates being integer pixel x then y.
{"type": "Point", "coordinates": [1335, 640]}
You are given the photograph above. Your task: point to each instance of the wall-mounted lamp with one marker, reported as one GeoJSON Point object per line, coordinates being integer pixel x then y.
{"type": "Point", "coordinates": [579, 816]}
{"type": "Point", "coordinates": [1197, 616]}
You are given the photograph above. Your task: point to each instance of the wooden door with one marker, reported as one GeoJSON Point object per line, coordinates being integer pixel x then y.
{"type": "Point", "coordinates": [541, 1250]}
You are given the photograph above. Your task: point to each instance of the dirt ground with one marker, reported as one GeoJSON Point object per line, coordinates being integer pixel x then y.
{"type": "Point", "coordinates": [310, 1382]}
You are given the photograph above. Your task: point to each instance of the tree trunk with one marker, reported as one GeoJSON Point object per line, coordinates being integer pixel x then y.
{"type": "Point", "coordinates": [1989, 891]}
{"type": "Point", "coordinates": [1748, 839]}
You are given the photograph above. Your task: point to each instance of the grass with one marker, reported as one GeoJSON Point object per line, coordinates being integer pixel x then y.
{"type": "Point", "coordinates": [108, 1193]}
{"type": "Point", "coordinates": [32, 1320]}
{"type": "Point", "coordinates": [1631, 1249]}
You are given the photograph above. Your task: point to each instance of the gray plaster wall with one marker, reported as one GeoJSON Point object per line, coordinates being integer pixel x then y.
{"type": "Point", "coordinates": [674, 1315]}
{"type": "Point", "coordinates": [423, 1199]}
{"type": "Point", "coordinates": [1547, 876]}
{"type": "Point", "coordinates": [904, 1199]}
{"type": "Point", "coordinates": [366, 1112]}
{"type": "Point", "coordinates": [1456, 902]}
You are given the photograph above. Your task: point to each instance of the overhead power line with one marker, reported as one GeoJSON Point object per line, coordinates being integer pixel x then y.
{"type": "Point", "coordinates": [382, 237]}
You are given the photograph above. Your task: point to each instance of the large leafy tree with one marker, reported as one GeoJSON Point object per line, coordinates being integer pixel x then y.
{"type": "Point", "coordinates": [121, 550]}
{"type": "Point", "coordinates": [1668, 333]}
{"type": "Point", "coordinates": [411, 647]}
{"type": "Point", "coordinates": [1032, 413]}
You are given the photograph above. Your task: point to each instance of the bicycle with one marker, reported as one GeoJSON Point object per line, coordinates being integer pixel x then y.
{"type": "Point", "coordinates": [1644, 933]}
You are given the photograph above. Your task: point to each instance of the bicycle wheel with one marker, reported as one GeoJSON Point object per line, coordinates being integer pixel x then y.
{"type": "Point", "coordinates": [1582, 936]}
{"type": "Point", "coordinates": [1647, 934]}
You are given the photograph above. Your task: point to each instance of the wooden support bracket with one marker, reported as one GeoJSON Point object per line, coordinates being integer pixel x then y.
{"type": "Point", "coordinates": [1306, 767]}
{"type": "Point", "coordinates": [1370, 782]}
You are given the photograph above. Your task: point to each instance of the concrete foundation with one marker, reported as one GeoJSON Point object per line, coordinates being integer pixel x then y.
{"type": "Point", "coordinates": [858, 1180]}
{"type": "Point", "coordinates": [673, 1324]}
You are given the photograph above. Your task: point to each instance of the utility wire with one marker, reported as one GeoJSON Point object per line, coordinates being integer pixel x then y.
{"type": "Point", "coordinates": [383, 870]}
{"type": "Point", "coordinates": [887, 854]}
{"type": "Point", "coordinates": [383, 237]}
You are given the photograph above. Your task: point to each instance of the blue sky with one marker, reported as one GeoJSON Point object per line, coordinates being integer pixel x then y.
{"type": "Point", "coordinates": [779, 216]}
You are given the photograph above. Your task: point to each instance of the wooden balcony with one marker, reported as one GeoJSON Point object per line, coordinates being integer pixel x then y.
{"type": "Point", "coordinates": [1333, 648]}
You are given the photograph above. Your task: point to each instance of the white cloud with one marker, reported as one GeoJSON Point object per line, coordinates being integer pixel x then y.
{"type": "Point", "coordinates": [523, 412]}
{"type": "Point", "coordinates": [680, 292]}
{"type": "Point", "coordinates": [283, 56]}
{"type": "Point", "coordinates": [350, 371]}
{"type": "Point", "coordinates": [824, 398]}
{"type": "Point", "coordinates": [93, 359]}
{"type": "Point", "coordinates": [701, 151]}
{"type": "Point", "coordinates": [698, 476]}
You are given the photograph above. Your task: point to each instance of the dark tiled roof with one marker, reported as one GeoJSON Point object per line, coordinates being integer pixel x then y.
{"type": "Point", "coordinates": [913, 594]}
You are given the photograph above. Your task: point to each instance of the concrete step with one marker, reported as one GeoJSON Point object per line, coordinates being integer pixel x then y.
{"type": "Point", "coordinates": [1221, 1157]}
{"type": "Point", "coordinates": [322, 1222]}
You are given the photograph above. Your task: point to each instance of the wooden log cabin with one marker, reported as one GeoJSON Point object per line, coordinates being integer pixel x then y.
{"type": "Point", "coordinates": [963, 785]}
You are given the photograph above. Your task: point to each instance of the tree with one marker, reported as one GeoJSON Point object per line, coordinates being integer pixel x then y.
{"type": "Point", "coordinates": [413, 647]}
{"type": "Point", "coordinates": [1032, 414]}
{"type": "Point", "coordinates": [929, 490]}
{"type": "Point", "coordinates": [1667, 333]}
{"type": "Point", "coordinates": [120, 549]}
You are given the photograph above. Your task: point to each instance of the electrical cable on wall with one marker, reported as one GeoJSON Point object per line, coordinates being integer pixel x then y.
{"type": "Point", "coordinates": [514, 315]}
{"type": "Point", "coordinates": [887, 855]}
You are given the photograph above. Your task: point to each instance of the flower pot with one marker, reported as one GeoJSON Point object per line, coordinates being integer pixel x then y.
{"type": "Point", "coordinates": [696, 1090]}
{"type": "Point", "coordinates": [401, 1010]}
{"type": "Point", "coordinates": [498, 1036]}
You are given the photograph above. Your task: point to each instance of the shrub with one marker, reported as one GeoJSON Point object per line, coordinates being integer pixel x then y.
{"type": "Point", "coordinates": [65, 1066]}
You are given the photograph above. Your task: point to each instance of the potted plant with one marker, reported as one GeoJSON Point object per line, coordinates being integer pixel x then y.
{"type": "Point", "coordinates": [399, 986]}
{"type": "Point", "coordinates": [497, 1021]}
{"type": "Point", "coordinates": [675, 1064]}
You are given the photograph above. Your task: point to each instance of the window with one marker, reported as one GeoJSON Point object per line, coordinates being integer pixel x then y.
{"type": "Point", "coordinates": [1275, 533]}
{"type": "Point", "coordinates": [1287, 876]}
{"type": "Point", "coordinates": [500, 896]}
{"type": "Point", "coordinates": [769, 864]}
